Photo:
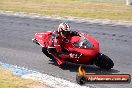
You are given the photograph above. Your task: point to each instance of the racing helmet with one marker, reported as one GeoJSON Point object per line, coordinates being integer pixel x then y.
{"type": "Point", "coordinates": [64, 29]}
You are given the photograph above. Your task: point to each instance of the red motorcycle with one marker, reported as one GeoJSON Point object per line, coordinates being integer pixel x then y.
{"type": "Point", "coordinates": [84, 46]}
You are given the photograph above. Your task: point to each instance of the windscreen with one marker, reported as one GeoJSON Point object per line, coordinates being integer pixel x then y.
{"type": "Point", "coordinates": [84, 43]}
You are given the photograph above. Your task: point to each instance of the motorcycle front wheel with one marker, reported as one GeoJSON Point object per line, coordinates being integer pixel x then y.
{"type": "Point", "coordinates": [104, 61]}
{"type": "Point", "coordinates": [44, 50]}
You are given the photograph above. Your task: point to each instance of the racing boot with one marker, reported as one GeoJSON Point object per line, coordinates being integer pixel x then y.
{"type": "Point", "coordinates": [59, 61]}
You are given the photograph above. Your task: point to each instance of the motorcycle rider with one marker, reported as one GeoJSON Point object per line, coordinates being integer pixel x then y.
{"type": "Point", "coordinates": [58, 38]}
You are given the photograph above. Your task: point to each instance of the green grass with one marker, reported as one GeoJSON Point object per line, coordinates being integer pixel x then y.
{"type": "Point", "coordinates": [99, 9]}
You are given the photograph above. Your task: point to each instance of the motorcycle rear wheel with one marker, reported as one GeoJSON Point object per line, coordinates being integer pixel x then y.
{"type": "Point", "coordinates": [104, 62]}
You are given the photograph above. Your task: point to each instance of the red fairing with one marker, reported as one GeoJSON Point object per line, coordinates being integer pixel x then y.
{"type": "Point", "coordinates": [87, 53]}
{"type": "Point", "coordinates": [43, 38]}
{"type": "Point", "coordinates": [85, 47]}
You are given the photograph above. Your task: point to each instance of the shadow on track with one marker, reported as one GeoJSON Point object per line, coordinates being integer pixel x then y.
{"type": "Point", "coordinates": [88, 68]}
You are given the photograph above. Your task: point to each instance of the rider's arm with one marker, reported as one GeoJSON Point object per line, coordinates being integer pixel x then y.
{"type": "Point", "coordinates": [74, 33]}
{"type": "Point", "coordinates": [61, 52]}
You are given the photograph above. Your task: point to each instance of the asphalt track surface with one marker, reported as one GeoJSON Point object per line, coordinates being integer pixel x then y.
{"type": "Point", "coordinates": [17, 48]}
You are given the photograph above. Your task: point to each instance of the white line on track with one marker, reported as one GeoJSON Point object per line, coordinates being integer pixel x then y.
{"type": "Point", "coordinates": [67, 18]}
{"type": "Point", "coordinates": [44, 78]}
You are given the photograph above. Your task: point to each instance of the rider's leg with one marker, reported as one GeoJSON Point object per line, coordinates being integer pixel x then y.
{"type": "Point", "coordinates": [54, 53]}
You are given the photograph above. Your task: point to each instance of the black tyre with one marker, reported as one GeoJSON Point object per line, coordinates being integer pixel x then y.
{"type": "Point", "coordinates": [44, 50]}
{"type": "Point", "coordinates": [104, 62]}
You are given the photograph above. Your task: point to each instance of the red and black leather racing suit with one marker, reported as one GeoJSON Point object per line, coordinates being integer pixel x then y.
{"type": "Point", "coordinates": [56, 48]}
